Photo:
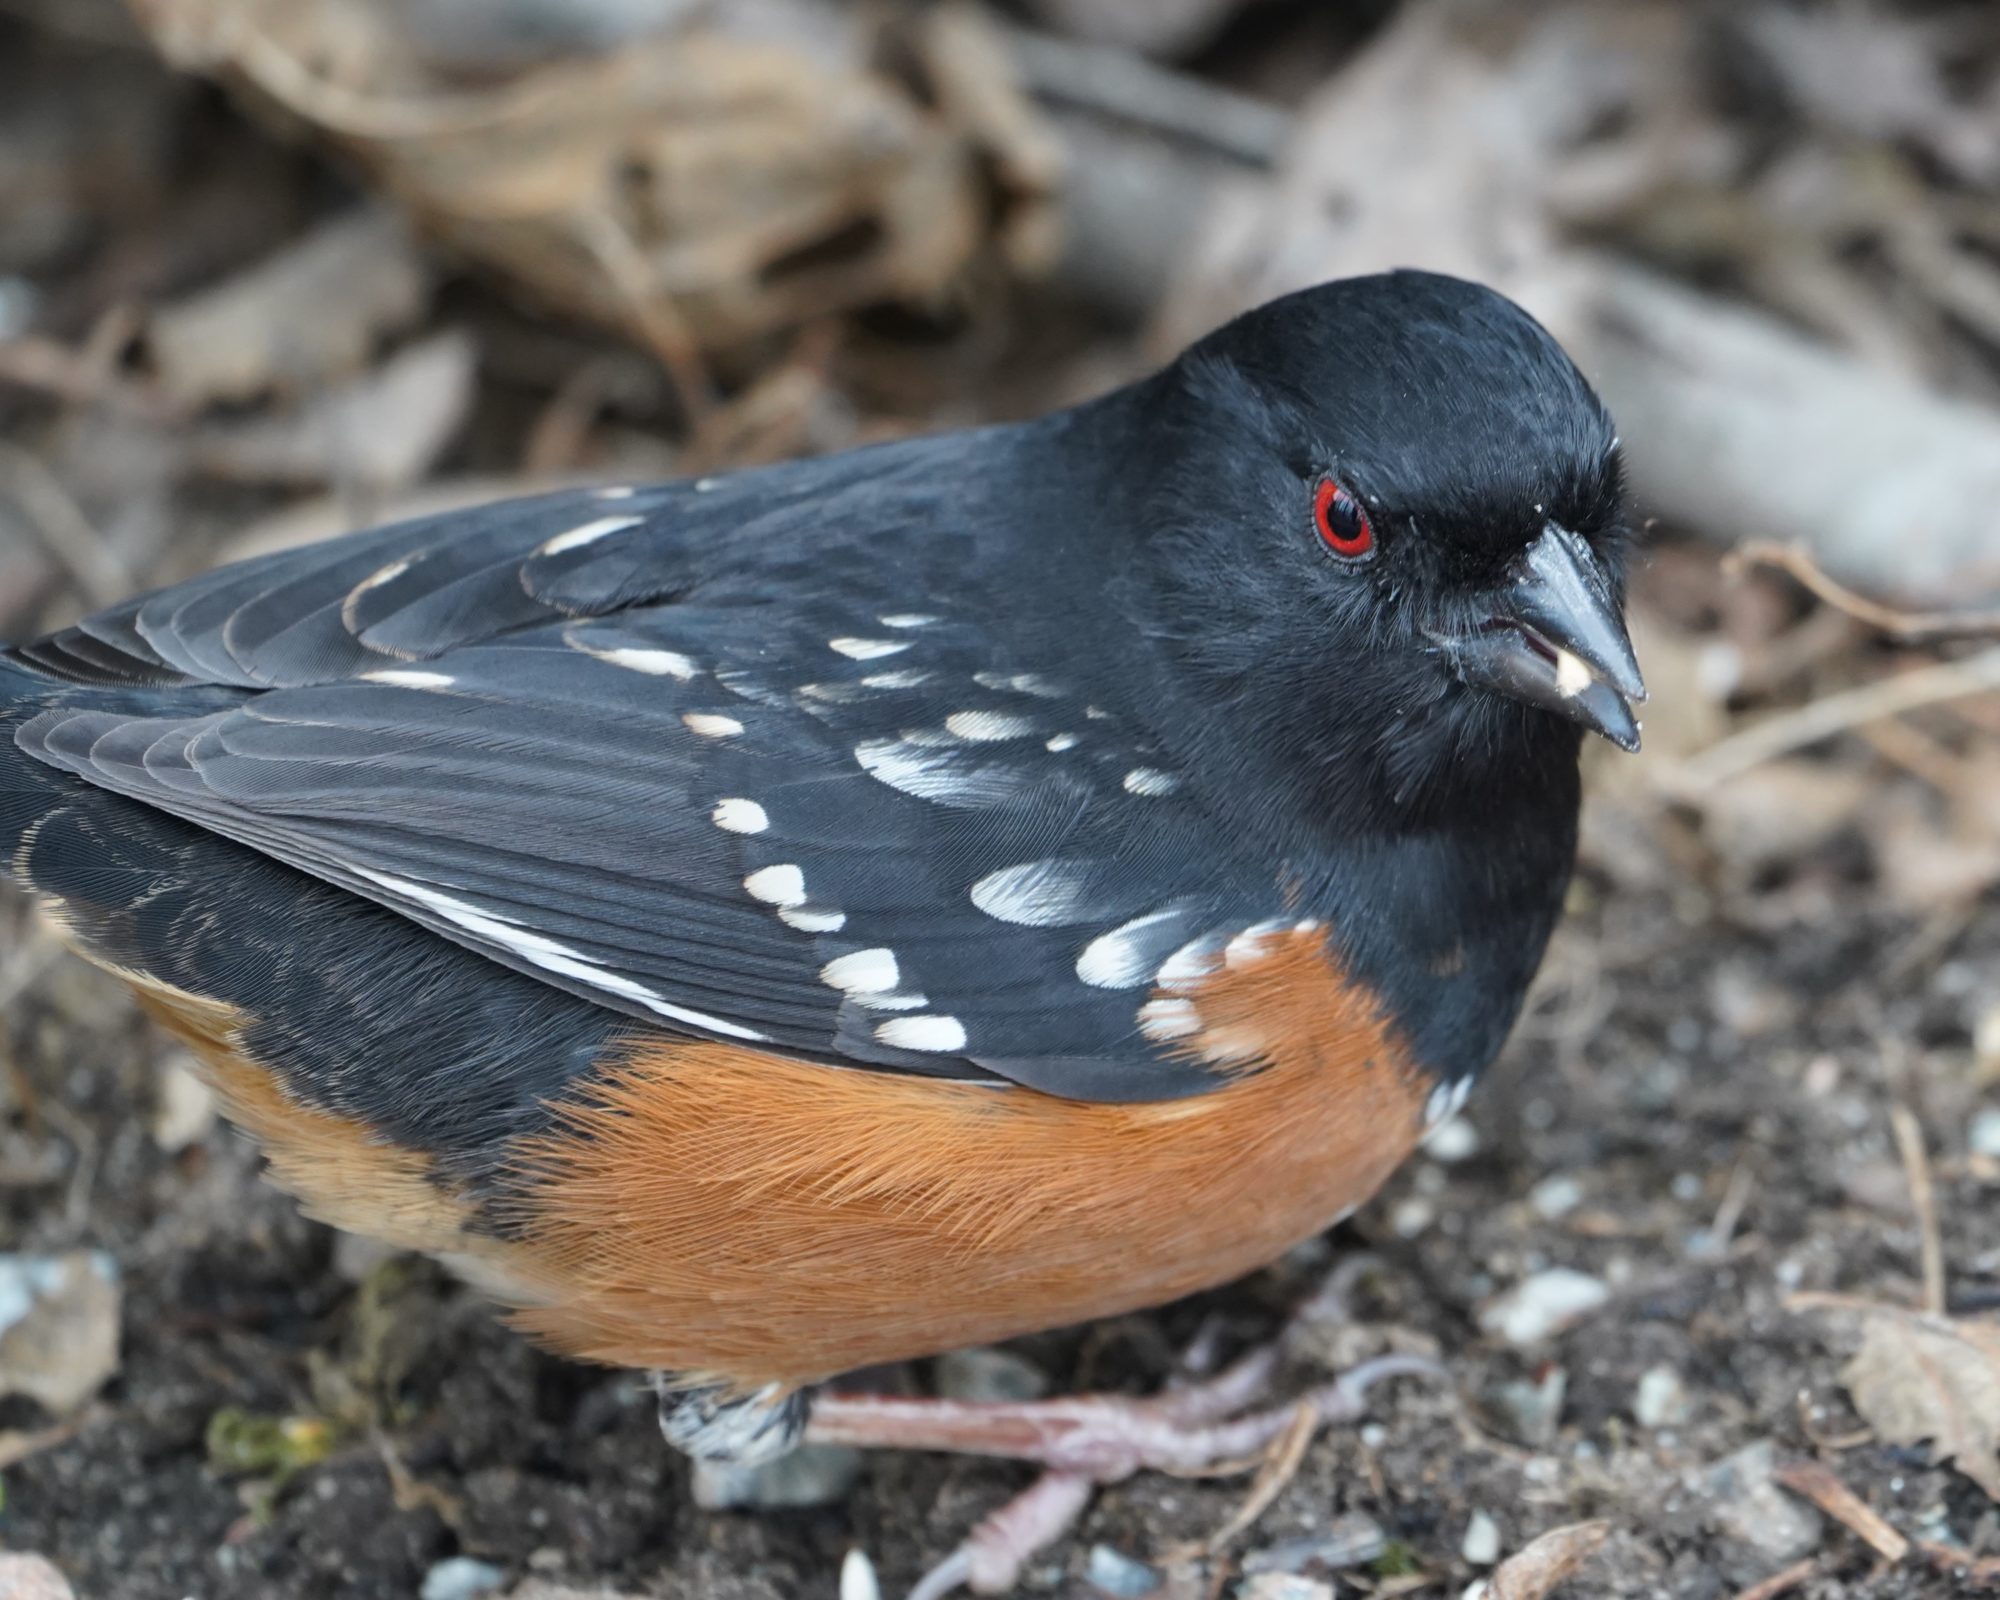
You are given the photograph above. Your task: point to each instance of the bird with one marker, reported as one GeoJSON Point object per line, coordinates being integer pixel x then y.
{"type": "Point", "coordinates": [764, 926]}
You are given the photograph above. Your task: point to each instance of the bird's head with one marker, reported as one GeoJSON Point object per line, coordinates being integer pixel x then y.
{"type": "Point", "coordinates": [1387, 529]}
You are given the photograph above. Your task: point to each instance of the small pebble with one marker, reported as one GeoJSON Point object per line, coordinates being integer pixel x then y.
{"type": "Point", "coordinates": [1751, 1508]}
{"type": "Point", "coordinates": [183, 1106]}
{"type": "Point", "coordinates": [1454, 1141]}
{"type": "Point", "coordinates": [1660, 1401]}
{"type": "Point", "coordinates": [1984, 1135]}
{"type": "Point", "coordinates": [857, 1577]}
{"type": "Point", "coordinates": [1412, 1215]}
{"type": "Point", "coordinates": [1532, 1411]}
{"type": "Point", "coordinates": [1284, 1586]}
{"type": "Point", "coordinates": [1542, 1306]}
{"type": "Point", "coordinates": [1481, 1544]}
{"type": "Point", "coordinates": [1114, 1573]}
{"type": "Point", "coordinates": [812, 1475]}
{"type": "Point", "coordinates": [1555, 1197]}
{"type": "Point", "coordinates": [1353, 1539]}
{"type": "Point", "coordinates": [986, 1375]}
{"type": "Point", "coordinates": [461, 1578]}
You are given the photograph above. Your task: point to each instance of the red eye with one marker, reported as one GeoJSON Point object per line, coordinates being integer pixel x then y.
{"type": "Point", "coordinates": [1341, 521]}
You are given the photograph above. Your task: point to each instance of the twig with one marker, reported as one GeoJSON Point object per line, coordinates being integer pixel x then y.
{"type": "Point", "coordinates": [1909, 627]}
{"type": "Point", "coordinates": [1823, 1488]}
{"type": "Point", "coordinates": [1780, 1582]}
{"type": "Point", "coordinates": [61, 527]}
{"type": "Point", "coordinates": [1838, 713]}
{"type": "Point", "coordinates": [1280, 1467]}
{"type": "Point", "coordinates": [1727, 1215]}
{"type": "Point", "coordinates": [1119, 85]}
{"type": "Point", "coordinates": [1923, 1199]}
{"type": "Point", "coordinates": [17, 1446]}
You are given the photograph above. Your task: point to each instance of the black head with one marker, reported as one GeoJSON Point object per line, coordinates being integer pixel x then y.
{"type": "Point", "coordinates": [1386, 534]}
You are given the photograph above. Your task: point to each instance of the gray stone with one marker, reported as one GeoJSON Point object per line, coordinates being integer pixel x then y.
{"type": "Point", "coordinates": [812, 1475]}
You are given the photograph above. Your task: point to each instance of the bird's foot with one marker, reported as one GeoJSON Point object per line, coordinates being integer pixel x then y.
{"type": "Point", "coordinates": [1205, 1427]}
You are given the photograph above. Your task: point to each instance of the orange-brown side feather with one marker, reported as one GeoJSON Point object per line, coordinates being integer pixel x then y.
{"type": "Point", "coordinates": [727, 1215]}
{"type": "Point", "coordinates": [342, 1171]}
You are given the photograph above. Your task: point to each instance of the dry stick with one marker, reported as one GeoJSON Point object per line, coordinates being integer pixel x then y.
{"type": "Point", "coordinates": [1838, 713]}
{"type": "Point", "coordinates": [1910, 627]}
{"type": "Point", "coordinates": [1923, 1197]}
{"type": "Point", "coordinates": [61, 528]}
{"type": "Point", "coordinates": [1780, 1582]}
{"type": "Point", "coordinates": [1823, 1488]}
{"type": "Point", "coordinates": [1280, 1467]}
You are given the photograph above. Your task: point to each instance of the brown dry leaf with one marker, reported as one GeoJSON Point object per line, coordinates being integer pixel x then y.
{"type": "Point", "coordinates": [58, 1327]}
{"type": "Point", "coordinates": [690, 190]}
{"type": "Point", "coordinates": [1551, 1560]}
{"type": "Point", "coordinates": [383, 431]}
{"type": "Point", "coordinates": [1918, 1378]}
{"type": "Point", "coordinates": [361, 277]}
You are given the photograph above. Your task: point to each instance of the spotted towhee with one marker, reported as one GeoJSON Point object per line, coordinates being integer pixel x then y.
{"type": "Point", "coordinates": [769, 925]}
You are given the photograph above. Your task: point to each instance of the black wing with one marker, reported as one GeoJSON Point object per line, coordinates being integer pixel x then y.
{"type": "Point", "coordinates": [610, 742]}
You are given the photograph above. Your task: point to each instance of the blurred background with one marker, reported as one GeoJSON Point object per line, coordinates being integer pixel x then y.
{"type": "Point", "coordinates": [1712, 1256]}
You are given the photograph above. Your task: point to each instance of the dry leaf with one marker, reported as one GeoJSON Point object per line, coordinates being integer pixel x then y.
{"type": "Point", "coordinates": [383, 431]}
{"type": "Point", "coordinates": [1550, 1560]}
{"type": "Point", "coordinates": [1918, 1378]}
{"type": "Point", "coordinates": [58, 1327]}
{"type": "Point", "coordinates": [362, 278]}
{"type": "Point", "coordinates": [24, 1577]}
{"type": "Point", "coordinates": [691, 190]}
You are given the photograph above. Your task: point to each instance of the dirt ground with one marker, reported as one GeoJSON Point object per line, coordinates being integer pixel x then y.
{"type": "Point", "coordinates": [1690, 1142]}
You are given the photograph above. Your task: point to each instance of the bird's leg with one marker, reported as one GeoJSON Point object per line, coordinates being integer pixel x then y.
{"type": "Point", "coordinates": [1199, 1427]}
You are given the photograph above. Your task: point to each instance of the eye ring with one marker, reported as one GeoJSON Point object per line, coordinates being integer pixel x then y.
{"type": "Point", "coordinates": [1342, 524]}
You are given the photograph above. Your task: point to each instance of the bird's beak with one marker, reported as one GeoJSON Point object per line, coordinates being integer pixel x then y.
{"type": "Point", "coordinates": [1554, 639]}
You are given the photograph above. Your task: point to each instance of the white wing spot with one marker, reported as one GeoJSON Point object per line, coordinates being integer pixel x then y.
{"type": "Point", "coordinates": [1035, 894]}
{"type": "Point", "coordinates": [1252, 944]}
{"type": "Point", "coordinates": [710, 725]}
{"type": "Point", "coordinates": [813, 919]}
{"type": "Point", "coordinates": [988, 726]}
{"type": "Point", "coordinates": [1096, 713]}
{"type": "Point", "coordinates": [589, 533]}
{"type": "Point", "coordinates": [907, 766]}
{"type": "Point", "coordinates": [1121, 958]}
{"type": "Point", "coordinates": [707, 485]}
{"type": "Point", "coordinates": [1021, 683]}
{"type": "Point", "coordinates": [863, 972]}
{"type": "Point", "coordinates": [551, 956]}
{"type": "Point", "coordinates": [778, 886]}
{"type": "Point", "coordinates": [908, 1000]}
{"type": "Point", "coordinates": [1164, 1020]}
{"type": "Point", "coordinates": [907, 678]}
{"type": "Point", "coordinates": [1061, 742]}
{"type": "Point", "coordinates": [907, 619]}
{"type": "Point", "coordinates": [656, 663]}
{"type": "Point", "coordinates": [1194, 961]}
{"type": "Point", "coordinates": [407, 678]}
{"type": "Point", "coordinates": [1150, 780]}
{"type": "Point", "coordinates": [867, 649]}
{"type": "Point", "coordinates": [739, 816]}
{"type": "Point", "coordinates": [616, 491]}
{"type": "Point", "coordinates": [922, 1033]}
